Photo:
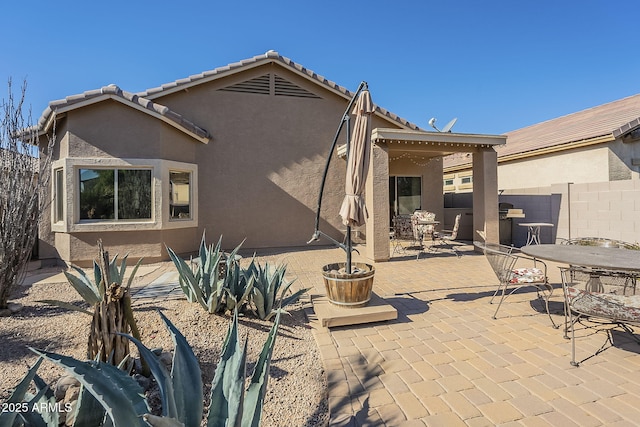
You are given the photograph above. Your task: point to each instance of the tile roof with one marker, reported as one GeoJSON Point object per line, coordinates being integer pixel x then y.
{"type": "Point", "coordinates": [115, 93]}
{"type": "Point", "coordinates": [270, 56]}
{"type": "Point", "coordinates": [607, 120]}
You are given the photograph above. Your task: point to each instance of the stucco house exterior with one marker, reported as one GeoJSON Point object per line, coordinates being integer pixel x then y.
{"type": "Point", "coordinates": [580, 172]}
{"type": "Point", "coordinates": [237, 151]}
{"type": "Point", "coordinates": [594, 145]}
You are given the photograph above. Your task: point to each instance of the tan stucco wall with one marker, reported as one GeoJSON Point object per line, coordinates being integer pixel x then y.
{"type": "Point", "coordinates": [258, 178]}
{"type": "Point", "coordinates": [590, 164]}
{"type": "Point", "coordinates": [431, 173]}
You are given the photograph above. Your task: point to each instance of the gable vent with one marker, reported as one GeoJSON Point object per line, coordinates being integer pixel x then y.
{"type": "Point", "coordinates": [286, 88]}
{"type": "Point", "coordinates": [259, 85]}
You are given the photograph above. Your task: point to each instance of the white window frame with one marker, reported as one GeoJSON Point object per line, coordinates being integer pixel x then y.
{"type": "Point", "coordinates": [58, 191]}
{"type": "Point", "coordinates": [190, 198]}
{"type": "Point", "coordinates": [160, 187]}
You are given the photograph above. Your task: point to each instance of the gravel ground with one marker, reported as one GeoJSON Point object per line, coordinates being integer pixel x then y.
{"type": "Point", "coordinates": [296, 393]}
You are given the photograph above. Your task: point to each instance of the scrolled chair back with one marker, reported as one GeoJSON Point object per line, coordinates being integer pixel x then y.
{"type": "Point", "coordinates": [422, 229]}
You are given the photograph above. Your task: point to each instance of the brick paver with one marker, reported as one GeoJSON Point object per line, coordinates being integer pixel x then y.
{"type": "Point", "coordinates": [445, 361]}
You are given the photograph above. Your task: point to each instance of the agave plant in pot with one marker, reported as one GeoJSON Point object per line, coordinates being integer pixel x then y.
{"type": "Point", "coordinates": [349, 284]}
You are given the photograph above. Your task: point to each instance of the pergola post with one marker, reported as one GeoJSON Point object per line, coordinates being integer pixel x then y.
{"type": "Point", "coordinates": [377, 201]}
{"type": "Point", "coordinates": [485, 194]}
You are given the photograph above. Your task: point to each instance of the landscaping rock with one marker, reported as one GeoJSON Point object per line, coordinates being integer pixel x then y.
{"type": "Point", "coordinates": [63, 385]}
{"type": "Point", "coordinates": [12, 308]}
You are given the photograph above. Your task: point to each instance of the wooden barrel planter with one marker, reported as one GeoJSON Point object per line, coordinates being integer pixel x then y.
{"type": "Point", "coordinates": [348, 290]}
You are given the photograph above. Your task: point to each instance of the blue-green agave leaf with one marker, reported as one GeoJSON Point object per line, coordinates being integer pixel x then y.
{"type": "Point", "coordinates": [84, 287]}
{"type": "Point", "coordinates": [257, 388]}
{"type": "Point", "coordinates": [155, 421]}
{"type": "Point", "coordinates": [162, 376]}
{"type": "Point", "coordinates": [42, 406]}
{"type": "Point", "coordinates": [18, 394]}
{"type": "Point", "coordinates": [88, 411]}
{"type": "Point", "coordinates": [187, 378]}
{"type": "Point", "coordinates": [227, 388]}
{"type": "Point", "coordinates": [187, 277]}
{"type": "Point", "coordinates": [37, 415]}
{"type": "Point", "coordinates": [119, 394]}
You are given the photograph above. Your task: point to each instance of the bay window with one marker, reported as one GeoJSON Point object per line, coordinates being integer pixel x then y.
{"type": "Point", "coordinates": [115, 194]}
{"type": "Point", "coordinates": [94, 195]}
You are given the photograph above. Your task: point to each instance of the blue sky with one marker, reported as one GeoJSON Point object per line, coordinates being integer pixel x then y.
{"type": "Point", "coordinates": [496, 65]}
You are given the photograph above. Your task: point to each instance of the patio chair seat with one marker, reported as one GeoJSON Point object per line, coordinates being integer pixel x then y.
{"type": "Point", "coordinates": [503, 261]}
{"type": "Point", "coordinates": [600, 297]}
{"type": "Point", "coordinates": [617, 308]}
{"type": "Point", "coordinates": [527, 275]}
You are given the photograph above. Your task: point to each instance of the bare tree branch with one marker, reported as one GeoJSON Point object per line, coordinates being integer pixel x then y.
{"type": "Point", "coordinates": [24, 178]}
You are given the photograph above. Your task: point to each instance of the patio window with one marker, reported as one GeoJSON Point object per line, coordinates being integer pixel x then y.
{"type": "Point", "coordinates": [405, 194]}
{"type": "Point", "coordinates": [179, 195]}
{"type": "Point", "coordinates": [115, 194]}
{"type": "Point", "coordinates": [59, 196]}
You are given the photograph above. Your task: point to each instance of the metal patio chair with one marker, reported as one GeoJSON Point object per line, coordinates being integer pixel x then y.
{"type": "Point", "coordinates": [603, 298]}
{"type": "Point", "coordinates": [514, 269]}
{"type": "Point", "coordinates": [445, 237]}
{"type": "Point", "coordinates": [402, 231]}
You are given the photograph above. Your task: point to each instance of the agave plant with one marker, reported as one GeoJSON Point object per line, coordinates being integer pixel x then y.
{"type": "Point", "coordinates": [270, 288]}
{"type": "Point", "coordinates": [121, 400]}
{"type": "Point", "coordinates": [24, 407]}
{"type": "Point", "coordinates": [216, 281]}
{"type": "Point", "coordinates": [111, 302]}
{"type": "Point", "coordinates": [238, 284]}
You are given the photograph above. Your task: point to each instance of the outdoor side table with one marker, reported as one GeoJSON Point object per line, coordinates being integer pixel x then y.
{"type": "Point", "coordinates": [533, 231]}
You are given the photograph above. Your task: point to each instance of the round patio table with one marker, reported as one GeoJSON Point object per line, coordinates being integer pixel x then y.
{"type": "Point", "coordinates": [587, 256]}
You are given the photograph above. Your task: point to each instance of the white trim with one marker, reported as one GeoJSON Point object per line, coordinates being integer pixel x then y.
{"type": "Point", "coordinates": [159, 184]}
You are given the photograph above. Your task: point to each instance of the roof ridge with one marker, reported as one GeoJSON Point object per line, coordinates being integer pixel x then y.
{"type": "Point", "coordinates": [115, 90]}
{"type": "Point", "coordinates": [595, 107]}
{"type": "Point", "coordinates": [270, 55]}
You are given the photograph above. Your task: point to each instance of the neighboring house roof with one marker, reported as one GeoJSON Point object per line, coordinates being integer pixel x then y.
{"type": "Point", "coordinates": [113, 92]}
{"type": "Point", "coordinates": [270, 56]}
{"type": "Point", "coordinates": [596, 125]}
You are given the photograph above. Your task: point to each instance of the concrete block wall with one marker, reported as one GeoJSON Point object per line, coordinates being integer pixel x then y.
{"type": "Point", "coordinates": [603, 209]}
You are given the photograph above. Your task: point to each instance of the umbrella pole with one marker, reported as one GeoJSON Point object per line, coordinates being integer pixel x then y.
{"type": "Point", "coordinates": [349, 249]}
{"type": "Point", "coordinates": [345, 116]}
{"type": "Point", "coordinates": [348, 237]}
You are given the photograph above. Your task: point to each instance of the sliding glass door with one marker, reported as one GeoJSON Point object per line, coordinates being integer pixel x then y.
{"type": "Point", "coordinates": [405, 195]}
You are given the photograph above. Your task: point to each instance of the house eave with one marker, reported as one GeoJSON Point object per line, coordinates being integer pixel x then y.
{"type": "Point", "coordinates": [63, 109]}
{"type": "Point", "coordinates": [386, 135]}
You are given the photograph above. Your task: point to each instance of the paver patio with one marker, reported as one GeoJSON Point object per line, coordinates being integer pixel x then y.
{"type": "Point", "coordinates": [446, 362]}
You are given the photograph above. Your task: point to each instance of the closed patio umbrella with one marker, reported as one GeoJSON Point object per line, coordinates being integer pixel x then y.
{"type": "Point", "coordinates": [353, 210]}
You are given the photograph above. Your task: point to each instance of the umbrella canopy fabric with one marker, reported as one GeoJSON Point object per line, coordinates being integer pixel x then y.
{"type": "Point", "coordinates": [353, 210]}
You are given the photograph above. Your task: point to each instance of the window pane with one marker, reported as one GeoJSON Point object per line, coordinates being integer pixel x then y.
{"type": "Point", "coordinates": [180, 195]}
{"type": "Point", "coordinates": [134, 194]}
{"type": "Point", "coordinates": [59, 195]}
{"type": "Point", "coordinates": [96, 194]}
{"type": "Point", "coordinates": [409, 194]}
